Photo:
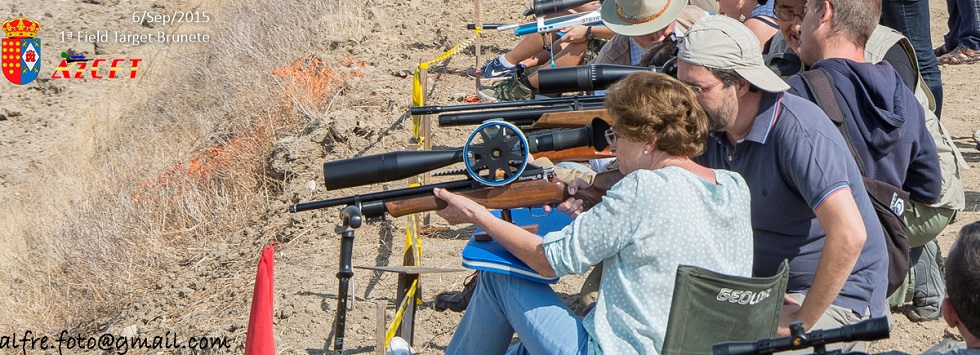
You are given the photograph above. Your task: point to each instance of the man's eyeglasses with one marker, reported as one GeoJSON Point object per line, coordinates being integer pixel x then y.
{"type": "Point", "coordinates": [700, 90]}
{"type": "Point", "coordinates": [610, 136]}
{"type": "Point", "coordinates": [789, 16]}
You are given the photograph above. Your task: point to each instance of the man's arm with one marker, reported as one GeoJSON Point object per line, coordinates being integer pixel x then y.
{"type": "Point", "coordinates": [841, 220]}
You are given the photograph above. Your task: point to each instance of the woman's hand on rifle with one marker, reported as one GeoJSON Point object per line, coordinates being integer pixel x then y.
{"type": "Point", "coordinates": [572, 206]}
{"type": "Point", "coordinates": [460, 209]}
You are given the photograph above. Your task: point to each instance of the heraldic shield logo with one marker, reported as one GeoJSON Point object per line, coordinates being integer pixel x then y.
{"type": "Point", "coordinates": [21, 50]}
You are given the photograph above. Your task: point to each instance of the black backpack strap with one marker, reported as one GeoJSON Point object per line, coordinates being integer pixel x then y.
{"type": "Point", "coordinates": [821, 85]}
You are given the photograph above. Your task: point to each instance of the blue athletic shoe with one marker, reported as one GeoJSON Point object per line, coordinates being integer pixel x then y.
{"type": "Point", "coordinates": [495, 70]}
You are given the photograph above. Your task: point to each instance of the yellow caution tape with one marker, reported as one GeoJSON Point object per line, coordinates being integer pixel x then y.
{"type": "Point", "coordinates": [401, 312]}
{"type": "Point", "coordinates": [418, 97]}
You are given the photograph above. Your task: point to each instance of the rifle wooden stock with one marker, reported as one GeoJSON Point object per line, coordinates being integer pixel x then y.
{"type": "Point", "coordinates": [575, 154]}
{"type": "Point", "coordinates": [600, 184]}
{"type": "Point", "coordinates": [571, 119]}
{"type": "Point", "coordinates": [515, 195]}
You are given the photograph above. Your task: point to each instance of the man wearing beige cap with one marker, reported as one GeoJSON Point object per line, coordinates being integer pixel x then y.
{"type": "Point", "coordinates": [809, 203]}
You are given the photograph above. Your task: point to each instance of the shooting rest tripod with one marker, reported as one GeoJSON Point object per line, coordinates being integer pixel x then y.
{"type": "Point", "coordinates": [408, 275]}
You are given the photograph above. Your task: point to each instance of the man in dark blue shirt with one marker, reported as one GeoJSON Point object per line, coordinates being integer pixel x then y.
{"type": "Point", "coordinates": [809, 204]}
{"type": "Point", "coordinates": [885, 122]}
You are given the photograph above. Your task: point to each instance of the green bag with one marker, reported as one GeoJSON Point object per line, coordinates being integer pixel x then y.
{"type": "Point", "coordinates": [708, 308]}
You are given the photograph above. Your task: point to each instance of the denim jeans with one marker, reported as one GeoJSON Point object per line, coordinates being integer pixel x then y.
{"type": "Point", "coordinates": [964, 24]}
{"type": "Point", "coordinates": [503, 304]}
{"type": "Point", "coordinates": [911, 18]}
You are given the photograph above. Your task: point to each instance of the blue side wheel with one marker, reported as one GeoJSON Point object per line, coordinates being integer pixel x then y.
{"type": "Point", "coordinates": [496, 153]}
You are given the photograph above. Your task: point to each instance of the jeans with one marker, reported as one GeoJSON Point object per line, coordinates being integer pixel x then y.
{"type": "Point", "coordinates": [911, 18]}
{"type": "Point", "coordinates": [503, 304]}
{"type": "Point", "coordinates": [964, 24]}
{"type": "Point", "coordinates": [930, 285]}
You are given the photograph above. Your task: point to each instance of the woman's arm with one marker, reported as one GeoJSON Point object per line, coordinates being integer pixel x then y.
{"type": "Point", "coordinates": [523, 244]}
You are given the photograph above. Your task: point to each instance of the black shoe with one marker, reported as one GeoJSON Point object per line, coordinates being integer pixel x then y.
{"type": "Point", "coordinates": [925, 313]}
{"type": "Point", "coordinates": [457, 301]}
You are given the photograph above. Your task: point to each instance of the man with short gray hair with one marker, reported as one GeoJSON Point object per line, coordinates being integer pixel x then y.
{"type": "Point", "coordinates": [883, 120]}
{"type": "Point", "coordinates": [808, 197]}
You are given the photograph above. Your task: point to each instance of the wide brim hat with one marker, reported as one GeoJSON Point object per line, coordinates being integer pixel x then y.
{"type": "Point", "coordinates": [639, 17]}
{"type": "Point", "coordinates": [721, 42]}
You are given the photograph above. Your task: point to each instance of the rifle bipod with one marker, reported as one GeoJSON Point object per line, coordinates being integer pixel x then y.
{"type": "Point", "coordinates": [351, 219]}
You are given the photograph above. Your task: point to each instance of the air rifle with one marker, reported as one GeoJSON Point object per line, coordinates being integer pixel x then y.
{"type": "Point", "coordinates": [428, 110]}
{"type": "Point", "coordinates": [525, 116]}
{"type": "Point", "coordinates": [535, 186]}
{"type": "Point", "coordinates": [503, 156]}
{"type": "Point", "coordinates": [542, 25]}
{"type": "Point", "coordinates": [551, 80]}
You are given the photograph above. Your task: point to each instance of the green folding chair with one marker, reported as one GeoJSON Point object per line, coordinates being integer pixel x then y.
{"type": "Point", "coordinates": [708, 308]}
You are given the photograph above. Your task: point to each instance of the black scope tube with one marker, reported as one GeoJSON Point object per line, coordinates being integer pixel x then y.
{"type": "Point", "coordinates": [547, 7]}
{"type": "Point", "coordinates": [583, 77]}
{"type": "Point", "coordinates": [386, 167]}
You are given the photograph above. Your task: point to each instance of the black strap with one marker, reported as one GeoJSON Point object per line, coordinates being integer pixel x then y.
{"type": "Point", "coordinates": [821, 85]}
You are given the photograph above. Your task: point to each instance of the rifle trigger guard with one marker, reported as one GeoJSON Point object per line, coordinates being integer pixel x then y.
{"type": "Point", "coordinates": [546, 214]}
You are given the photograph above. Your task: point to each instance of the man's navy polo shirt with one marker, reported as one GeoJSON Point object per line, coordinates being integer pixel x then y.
{"type": "Point", "coordinates": [793, 159]}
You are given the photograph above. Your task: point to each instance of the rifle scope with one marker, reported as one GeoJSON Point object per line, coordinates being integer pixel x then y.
{"type": "Point", "coordinates": [871, 329]}
{"type": "Point", "coordinates": [547, 7]}
{"type": "Point", "coordinates": [591, 77]}
{"type": "Point", "coordinates": [399, 165]}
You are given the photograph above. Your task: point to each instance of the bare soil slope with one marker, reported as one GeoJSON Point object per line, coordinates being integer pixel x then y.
{"type": "Point", "coordinates": [208, 292]}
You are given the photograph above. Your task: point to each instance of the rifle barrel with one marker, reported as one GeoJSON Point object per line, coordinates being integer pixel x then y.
{"type": "Point", "coordinates": [379, 196]}
{"type": "Point", "coordinates": [428, 110]}
{"type": "Point", "coordinates": [486, 26]}
{"type": "Point", "coordinates": [520, 116]}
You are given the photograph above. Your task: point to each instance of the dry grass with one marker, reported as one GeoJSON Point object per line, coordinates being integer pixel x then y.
{"type": "Point", "coordinates": [181, 166]}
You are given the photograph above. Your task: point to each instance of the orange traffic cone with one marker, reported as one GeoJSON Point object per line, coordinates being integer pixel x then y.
{"type": "Point", "coordinates": [259, 340]}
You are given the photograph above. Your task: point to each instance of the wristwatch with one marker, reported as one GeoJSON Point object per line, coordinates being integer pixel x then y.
{"type": "Point", "coordinates": [588, 33]}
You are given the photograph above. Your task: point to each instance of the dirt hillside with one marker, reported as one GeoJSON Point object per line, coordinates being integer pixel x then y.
{"type": "Point", "coordinates": [206, 289]}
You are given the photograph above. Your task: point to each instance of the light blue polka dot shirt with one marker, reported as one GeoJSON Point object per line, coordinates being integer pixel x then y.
{"type": "Point", "coordinates": [647, 224]}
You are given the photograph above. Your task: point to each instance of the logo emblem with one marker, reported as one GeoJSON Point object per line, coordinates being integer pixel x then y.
{"type": "Point", "coordinates": [21, 50]}
{"type": "Point", "coordinates": [898, 205]}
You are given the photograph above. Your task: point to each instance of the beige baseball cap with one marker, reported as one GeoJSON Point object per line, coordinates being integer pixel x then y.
{"type": "Point", "coordinates": [639, 17]}
{"type": "Point", "coordinates": [721, 42]}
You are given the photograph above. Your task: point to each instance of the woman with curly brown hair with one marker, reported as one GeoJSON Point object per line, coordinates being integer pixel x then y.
{"type": "Point", "coordinates": [666, 211]}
